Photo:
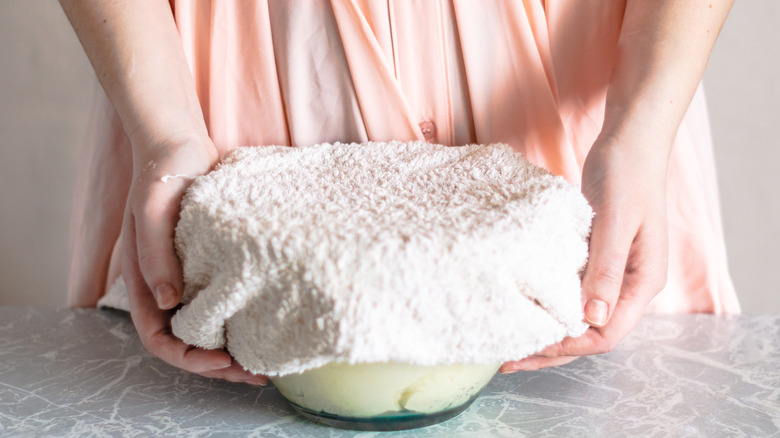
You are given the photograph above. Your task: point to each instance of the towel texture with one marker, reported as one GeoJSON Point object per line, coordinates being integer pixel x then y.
{"type": "Point", "coordinates": [408, 252]}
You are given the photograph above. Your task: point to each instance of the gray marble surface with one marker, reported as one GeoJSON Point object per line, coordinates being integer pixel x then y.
{"type": "Point", "coordinates": [84, 373]}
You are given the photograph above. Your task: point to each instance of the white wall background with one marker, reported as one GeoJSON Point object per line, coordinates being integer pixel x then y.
{"type": "Point", "coordinates": [743, 89]}
{"type": "Point", "coordinates": [46, 86]}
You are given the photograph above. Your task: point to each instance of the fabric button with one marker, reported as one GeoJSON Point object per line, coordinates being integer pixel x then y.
{"type": "Point", "coordinates": [428, 131]}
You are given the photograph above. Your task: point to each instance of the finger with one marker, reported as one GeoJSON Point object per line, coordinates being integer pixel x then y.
{"type": "Point", "coordinates": [599, 340]}
{"type": "Point", "coordinates": [155, 224]}
{"type": "Point", "coordinates": [645, 276]}
{"type": "Point", "coordinates": [533, 363]}
{"type": "Point", "coordinates": [552, 350]}
{"type": "Point", "coordinates": [236, 373]}
{"type": "Point", "coordinates": [610, 242]}
{"type": "Point", "coordinates": [153, 324]}
{"type": "Point", "coordinates": [596, 340]}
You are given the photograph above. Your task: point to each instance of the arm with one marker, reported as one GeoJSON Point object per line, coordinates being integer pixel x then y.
{"type": "Point", "coordinates": [663, 50]}
{"type": "Point", "coordinates": [137, 55]}
{"type": "Point", "coordinates": [135, 50]}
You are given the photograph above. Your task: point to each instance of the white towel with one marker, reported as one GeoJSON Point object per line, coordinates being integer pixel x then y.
{"type": "Point", "coordinates": [408, 252]}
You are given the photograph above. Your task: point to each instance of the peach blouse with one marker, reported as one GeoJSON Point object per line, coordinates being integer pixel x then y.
{"type": "Point", "coordinates": [529, 73]}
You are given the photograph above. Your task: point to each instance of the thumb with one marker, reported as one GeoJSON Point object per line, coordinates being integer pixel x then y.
{"type": "Point", "coordinates": [609, 247]}
{"type": "Point", "coordinates": [155, 223]}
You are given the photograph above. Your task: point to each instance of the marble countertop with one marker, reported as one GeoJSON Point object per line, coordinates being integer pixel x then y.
{"type": "Point", "coordinates": [84, 373]}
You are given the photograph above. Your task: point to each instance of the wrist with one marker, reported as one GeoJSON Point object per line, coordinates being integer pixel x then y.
{"type": "Point", "coordinates": [641, 118]}
{"type": "Point", "coordinates": [157, 146]}
{"type": "Point", "coordinates": [630, 146]}
{"type": "Point", "coordinates": [161, 121]}
{"type": "Point", "coordinates": [646, 130]}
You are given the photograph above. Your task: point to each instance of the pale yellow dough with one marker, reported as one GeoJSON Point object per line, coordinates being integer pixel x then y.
{"type": "Point", "coordinates": [366, 390]}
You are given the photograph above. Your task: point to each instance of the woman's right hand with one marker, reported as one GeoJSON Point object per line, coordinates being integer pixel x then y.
{"type": "Point", "coordinates": [162, 170]}
{"type": "Point", "coordinates": [139, 60]}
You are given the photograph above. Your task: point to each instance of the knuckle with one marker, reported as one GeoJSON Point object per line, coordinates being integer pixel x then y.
{"type": "Point", "coordinates": [152, 343]}
{"type": "Point", "coordinates": [153, 202]}
{"type": "Point", "coordinates": [185, 357]}
{"type": "Point", "coordinates": [188, 360]}
{"type": "Point", "coordinates": [604, 344]}
{"type": "Point", "coordinates": [647, 281]}
{"type": "Point", "coordinates": [660, 280]}
{"type": "Point", "coordinates": [609, 274]}
{"type": "Point", "coordinates": [234, 378]}
{"type": "Point", "coordinates": [148, 259]}
{"type": "Point", "coordinates": [152, 210]}
{"type": "Point", "coordinates": [604, 347]}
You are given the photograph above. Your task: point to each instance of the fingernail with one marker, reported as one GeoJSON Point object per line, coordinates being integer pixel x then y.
{"type": "Point", "coordinates": [223, 364]}
{"type": "Point", "coordinates": [258, 381]}
{"type": "Point", "coordinates": [165, 295]}
{"type": "Point", "coordinates": [596, 312]}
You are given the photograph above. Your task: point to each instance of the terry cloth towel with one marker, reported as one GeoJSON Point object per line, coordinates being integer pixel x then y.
{"type": "Point", "coordinates": [374, 252]}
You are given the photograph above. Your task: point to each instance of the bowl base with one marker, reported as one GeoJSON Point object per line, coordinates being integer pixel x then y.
{"type": "Point", "coordinates": [402, 420]}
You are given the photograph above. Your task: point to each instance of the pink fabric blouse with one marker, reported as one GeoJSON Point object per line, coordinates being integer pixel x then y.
{"type": "Point", "coordinates": [530, 73]}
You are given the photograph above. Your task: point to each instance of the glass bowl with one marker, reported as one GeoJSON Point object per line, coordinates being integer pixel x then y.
{"type": "Point", "coordinates": [384, 396]}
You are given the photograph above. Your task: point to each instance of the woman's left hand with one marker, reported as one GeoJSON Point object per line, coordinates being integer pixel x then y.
{"type": "Point", "coordinates": [625, 182]}
{"type": "Point", "coordinates": [659, 61]}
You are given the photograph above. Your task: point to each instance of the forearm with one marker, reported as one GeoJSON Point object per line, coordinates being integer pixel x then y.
{"type": "Point", "coordinates": [663, 50]}
{"type": "Point", "coordinates": [135, 50]}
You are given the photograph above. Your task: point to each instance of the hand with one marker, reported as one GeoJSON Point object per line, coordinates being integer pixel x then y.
{"type": "Point", "coordinates": [625, 183]}
{"type": "Point", "coordinates": [150, 268]}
